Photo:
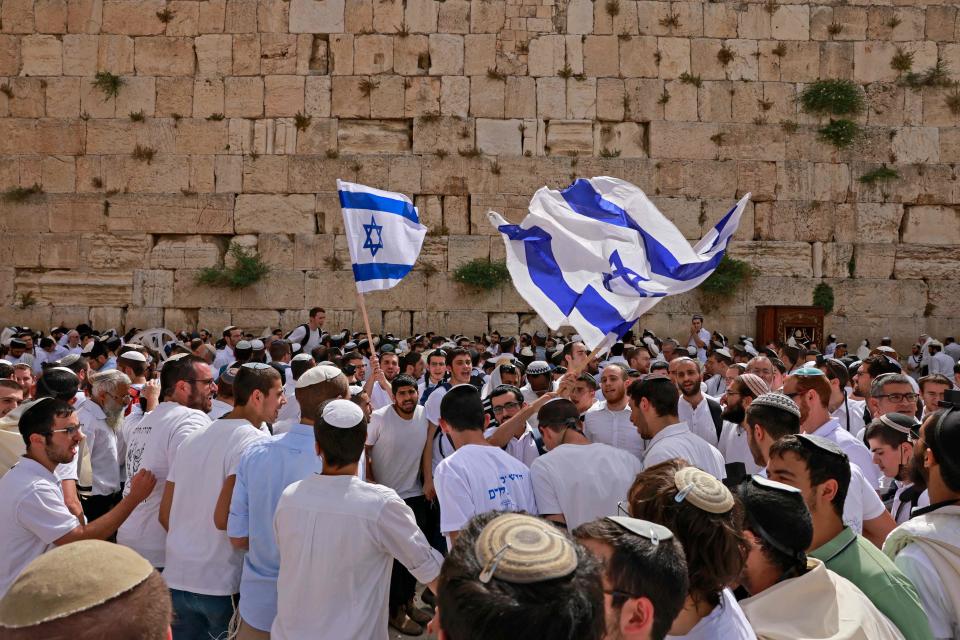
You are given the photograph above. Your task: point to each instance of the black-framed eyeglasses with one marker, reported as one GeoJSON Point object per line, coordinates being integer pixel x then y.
{"type": "Point", "coordinates": [899, 397]}
{"type": "Point", "coordinates": [504, 407]}
{"type": "Point", "coordinates": [208, 382]}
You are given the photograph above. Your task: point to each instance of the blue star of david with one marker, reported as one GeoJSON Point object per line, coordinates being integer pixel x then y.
{"type": "Point", "coordinates": [370, 230]}
{"type": "Point", "coordinates": [629, 276]}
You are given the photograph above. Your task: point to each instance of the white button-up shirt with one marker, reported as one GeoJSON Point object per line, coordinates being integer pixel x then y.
{"type": "Point", "coordinates": [614, 428]}
{"type": "Point", "coordinates": [103, 446]}
{"type": "Point", "coordinates": [698, 420]}
{"type": "Point", "coordinates": [856, 451]}
{"type": "Point", "coordinates": [677, 441]}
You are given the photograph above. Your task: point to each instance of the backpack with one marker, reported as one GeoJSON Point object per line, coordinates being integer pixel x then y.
{"type": "Point", "coordinates": [716, 411]}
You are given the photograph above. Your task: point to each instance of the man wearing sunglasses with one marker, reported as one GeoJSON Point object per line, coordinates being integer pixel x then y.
{"type": "Point", "coordinates": [186, 394]}
{"type": "Point", "coordinates": [33, 516]}
{"type": "Point", "coordinates": [821, 471]}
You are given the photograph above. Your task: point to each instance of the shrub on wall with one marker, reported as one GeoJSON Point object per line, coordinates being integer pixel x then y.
{"type": "Point", "coordinates": [482, 273]}
{"type": "Point", "coordinates": [248, 269]}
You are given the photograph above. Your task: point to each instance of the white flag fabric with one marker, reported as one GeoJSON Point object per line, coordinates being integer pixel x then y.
{"type": "Point", "coordinates": [383, 232]}
{"type": "Point", "coordinates": [598, 254]}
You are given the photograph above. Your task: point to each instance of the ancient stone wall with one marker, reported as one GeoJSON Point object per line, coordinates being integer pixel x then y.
{"type": "Point", "coordinates": [235, 117]}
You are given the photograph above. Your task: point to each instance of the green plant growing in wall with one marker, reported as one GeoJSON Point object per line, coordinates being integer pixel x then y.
{"type": "Point", "coordinates": [687, 78]}
{"type": "Point", "coordinates": [823, 297]}
{"type": "Point", "coordinates": [936, 76]}
{"type": "Point", "coordinates": [301, 121]}
{"type": "Point", "coordinates": [108, 83]}
{"type": "Point", "coordinates": [729, 275]}
{"type": "Point", "coordinates": [26, 300]}
{"type": "Point", "coordinates": [840, 133]}
{"type": "Point", "coordinates": [20, 194]}
{"type": "Point", "coordinates": [880, 174]}
{"type": "Point", "coordinates": [248, 269]}
{"type": "Point", "coordinates": [832, 97]}
{"type": "Point", "coordinates": [482, 274]}
{"type": "Point", "coordinates": [901, 61]}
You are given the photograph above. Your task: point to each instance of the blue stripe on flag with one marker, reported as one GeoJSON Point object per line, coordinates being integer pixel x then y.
{"type": "Point", "coordinates": [380, 271]}
{"type": "Point", "coordinates": [373, 202]}
{"type": "Point", "coordinates": [547, 275]}
{"type": "Point", "coordinates": [584, 199]}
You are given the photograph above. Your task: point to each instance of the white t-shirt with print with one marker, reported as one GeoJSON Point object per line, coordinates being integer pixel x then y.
{"type": "Point", "coordinates": [478, 478]}
{"type": "Point", "coordinates": [397, 447]}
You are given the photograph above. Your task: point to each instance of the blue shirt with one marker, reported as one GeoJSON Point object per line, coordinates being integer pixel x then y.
{"type": "Point", "coordinates": [266, 469]}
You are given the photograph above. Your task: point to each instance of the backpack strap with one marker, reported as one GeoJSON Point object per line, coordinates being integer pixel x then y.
{"type": "Point", "coordinates": [716, 411]}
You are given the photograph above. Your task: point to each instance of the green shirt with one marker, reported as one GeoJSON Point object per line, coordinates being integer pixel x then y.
{"type": "Point", "coordinates": [856, 559]}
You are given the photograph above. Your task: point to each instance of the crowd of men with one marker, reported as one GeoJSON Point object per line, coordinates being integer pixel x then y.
{"type": "Point", "coordinates": [308, 485]}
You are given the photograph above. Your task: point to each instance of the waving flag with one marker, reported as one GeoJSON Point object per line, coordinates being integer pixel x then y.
{"type": "Point", "coordinates": [599, 254]}
{"type": "Point", "coordinates": [384, 234]}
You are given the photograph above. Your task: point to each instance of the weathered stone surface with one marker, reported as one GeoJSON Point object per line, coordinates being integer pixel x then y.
{"type": "Point", "coordinates": [171, 214]}
{"type": "Point", "coordinates": [282, 289]}
{"type": "Point", "coordinates": [74, 287]}
{"type": "Point", "coordinates": [775, 258]}
{"type": "Point", "coordinates": [275, 214]}
{"type": "Point", "coordinates": [114, 251]}
{"type": "Point", "coordinates": [190, 252]}
{"type": "Point", "coordinates": [933, 225]}
{"type": "Point", "coordinates": [373, 136]}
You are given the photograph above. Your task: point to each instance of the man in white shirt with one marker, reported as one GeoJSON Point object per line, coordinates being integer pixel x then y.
{"type": "Point", "coordinates": [932, 389]}
{"type": "Point", "coordinates": [584, 394]}
{"type": "Point", "coordinates": [290, 412]}
{"type": "Point", "coordinates": [608, 421]}
{"type": "Point", "coordinates": [382, 372]}
{"type": "Point", "coordinates": [577, 481]}
{"type": "Point", "coordinates": [848, 411]}
{"type": "Point", "coordinates": [717, 363]}
{"type": "Point", "coordinates": [338, 536]}
{"type": "Point", "coordinates": [439, 445]}
{"type": "Point", "coordinates": [891, 439]}
{"type": "Point", "coordinates": [700, 412]}
{"type": "Point", "coordinates": [202, 567]}
{"type": "Point", "coordinates": [187, 388]}
{"type": "Point", "coordinates": [49, 351]}
{"type": "Point", "coordinates": [735, 440]}
{"type": "Point", "coordinates": [893, 393]}
{"type": "Point", "coordinates": [231, 336]}
{"type": "Point", "coordinates": [33, 517]}
{"type": "Point", "coordinates": [762, 366]}
{"type": "Point", "coordinates": [539, 382]}
{"type": "Point", "coordinates": [939, 362]}
{"type": "Point", "coordinates": [699, 337]}
{"type": "Point", "coordinates": [507, 401]}
{"type": "Point", "coordinates": [436, 362]}
{"type": "Point", "coordinates": [266, 468]}
{"type": "Point", "coordinates": [477, 477]}
{"type": "Point", "coordinates": [394, 447]}
{"type": "Point", "coordinates": [308, 335]}
{"type": "Point", "coordinates": [653, 409]}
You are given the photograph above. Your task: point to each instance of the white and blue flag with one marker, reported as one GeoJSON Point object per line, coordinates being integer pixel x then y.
{"type": "Point", "coordinates": [598, 254]}
{"type": "Point", "coordinates": [383, 232]}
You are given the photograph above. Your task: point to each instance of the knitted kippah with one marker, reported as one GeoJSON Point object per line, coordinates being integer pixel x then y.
{"type": "Point", "coordinates": [755, 383]}
{"type": "Point", "coordinates": [778, 401]}
{"type": "Point", "coordinates": [702, 490]}
{"type": "Point", "coordinates": [522, 549]}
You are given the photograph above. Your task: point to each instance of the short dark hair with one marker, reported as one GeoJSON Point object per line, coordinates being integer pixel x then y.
{"type": "Point", "coordinates": [567, 608]}
{"type": "Point", "coordinates": [934, 378]}
{"type": "Point", "coordinates": [662, 394]}
{"type": "Point", "coordinates": [249, 380]}
{"type": "Point", "coordinates": [714, 544]}
{"type": "Point", "coordinates": [657, 572]}
{"type": "Point", "coordinates": [59, 383]}
{"type": "Point", "coordinates": [438, 353]}
{"type": "Point", "coordinates": [402, 380]}
{"type": "Point", "coordinates": [340, 447]}
{"type": "Point", "coordinates": [138, 368]}
{"type": "Point", "coordinates": [822, 466]}
{"type": "Point", "coordinates": [507, 388]}
{"type": "Point", "coordinates": [782, 516]}
{"type": "Point", "coordinates": [179, 370]}
{"type": "Point", "coordinates": [776, 422]}
{"type": "Point", "coordinates": [409, 359]}
{"type": "Point", "coordinates": [41, 417]}
{"type": "Point", "coordinates": [589, 379]}
{"type": "Point", "coordinates": [6, 369]}
{"type": "Point", "coordinates": [278, 349]}
{"type": "Point", "coordinates": [878, 365]}
{"type": "Point", "coordinates": [315, 310]}
{"type": "Point", "coordinates": [462, 408]}
{"type": "Point", "coordinates": [300, 367]}
{"type": "Point", "coordinates": [457, 351]}
{"type": "Point", "coordinates": [878, 430]}
{"type": "Point", "coordinates": [6, 383]}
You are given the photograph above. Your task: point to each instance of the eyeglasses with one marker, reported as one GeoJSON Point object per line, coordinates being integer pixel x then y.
{"type": "Point", "coordinates": [124, 399]}
{"type": "Point", "coordinates": [70, 431]}
{"type": "Point", "coordinates": [207, 382]}
{"type": "Point", "coordinates": [898, 397]}
{"type": "Point", "coordinates": [504, 407]}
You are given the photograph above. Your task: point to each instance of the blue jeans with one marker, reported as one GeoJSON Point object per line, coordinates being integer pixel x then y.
{"type": "Point", "coordinates": [200, 617]}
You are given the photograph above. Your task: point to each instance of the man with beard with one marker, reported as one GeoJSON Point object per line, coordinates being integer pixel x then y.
{"type": "Point", "coordinates": [394, 446]}
{"type": "Point", "coordinates": [891, 439]}
{"type": "Point", "coordinates": [700, 412]}
{"type": "Point", "coordinates": [769, 417]}
{"type": "Point", "coordinates": [927, 547]}
{"type": "Point", "coordinates": [225, 356]}
{"type": "Point", "coordinates": [638, 358]}
{"type": "Point", "coordinates": [101, 417]}
{"type": "Point", "coordinates": [717, 363]}
{"type": "Point", "coordinates": [608, 421]}
{"type": "Point", "coordinates": [186, 392]}
{"type": "Point", "coordinates": [871, 368]}
{"type": "Point", "coordinates": [821, 471]}
{"type": "Point", "coordinates": [734, 441]}
{"type": "Point", "coordinates": [653, 411]}
{"type": "Point", "coordinates": [202, 567]}
{"type": "Point", "coordinates": [33, 516]}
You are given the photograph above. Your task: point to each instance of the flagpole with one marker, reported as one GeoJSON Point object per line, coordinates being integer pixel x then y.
{"type": "Point", "coordinates": [366, 320]}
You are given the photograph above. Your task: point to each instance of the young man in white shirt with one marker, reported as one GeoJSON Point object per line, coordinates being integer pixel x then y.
{"type": "Point", "coordinates": [608, 421]}
{"type": "Point", "coordinates": [699, 338]}
{"type": "Point", "coordinates": [338, 537]}
{"type": "Point", "coordinates": [308, 335]}
{"type": "Point", "coordinates": [186, 388]}
{"type": "Point", "coordinates": [701, 413]}
{"type": "Point", "coordinates": [577, 481]}
{"type": "Point", "coordinates": [653, 406]}
{"type": "Point", "coordinates": [507, 401]}
{"type": "Point", "coordinates": [202, 567]}
{"type": "Point", "coordinates": [439, 445]}
{"type": "Point", "coordinates": [734, 440]}
{"type": "Point", "coordinates": [394, 446]}
{"type": "Point", "coordinates": [266, 468]}
{"type": "Point", "coordinates": [891, 439]}
{"type": "Point", "coordinates": [33, 516]}
{"type": "Point", "coordinates": [477, 477]}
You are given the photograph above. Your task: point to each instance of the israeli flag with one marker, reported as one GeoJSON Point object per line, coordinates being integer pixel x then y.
{"type": "Point", "coordinates": [384, 234]}
{"type": "Point", "coordinates": [598, 254]}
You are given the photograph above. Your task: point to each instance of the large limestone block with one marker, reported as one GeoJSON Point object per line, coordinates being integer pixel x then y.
{"type": "Point", "coordinates": [275, 214]}
{"type": "Point", "coordinates": [132, 17]}
{"type": "Point", "coordinates": [159, 56]}
{"type": "Point", "coordinates": [879, 222]}
{"type": "Point", "coordinates": [316, 16]}
{"type": "Point", "coordinates": [931, 225]}
{"type": "Point", "coordinates": [137, 317]}
{"type": "Point", "coordinates": [499, 137]}
{"type": "Point", "coordinates": [170, 213]}
{"type": "Point", "coordinates": [279, 289]}
{"type": "Point", "coordinates": [374, 136]}
{"type": "Point", "coordinates": [311, 252]}
{"type": "Point", "coordinates": [444, 294]}
{"type": "Point", "coordinates": [189, 252]}
{"type": "Point", "coordinates": [623, 139]}
{"type": "Point", "coordinates": [570, 137]}
{"type": "Point", "coordinates": [682, 140]}
{"type": "Point", "coordinates": [20, 249]}
{"type": "Point", "coordinates": [916, 145]}
{"type": "Point", "coordinates": [464, 249]}
{"type": "Point", "coordinates": [214, 55]}
{"type": "Point", "coordinates": [152, 287]}
{"type": "Point", "coordinates": [547, 55]}
{"type": "Point", "coordinates": [114, 251]}
{"type": "Point", "coordinates": [42, 55]}
{"type": "Point", "coordinates": [806, 221]}
{"type": "Point", "coordinates": [46, 136]}
{"type": "Point", "coordinates": [874, 260]}
{"type": "Point", "coordinates": [916, 261]}
{"type": "Point", "coordinates": [431, 134]}
{"type": "Point", "coordinates": [790, 259]}
{"type": "Point", "coordinates": [76, 287]}
{"type": "Point", "coordinates": [446, 54]}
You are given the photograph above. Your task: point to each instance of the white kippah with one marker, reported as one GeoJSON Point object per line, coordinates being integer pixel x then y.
{"type": "Point", "coordinates": [244, 344]}
{"type": "Point", "coordinates": [342, 414]}
{"type": "Point", "coordinates": [257, 345]}
{"type": "Point", "coordinates": [355, 389]}
{"type": "Point", "coordinates": [316, 375]}
{"type": "Point", "coordinates": [301, 356]}
{"type": "Point", "coordinates": [136, 356]}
